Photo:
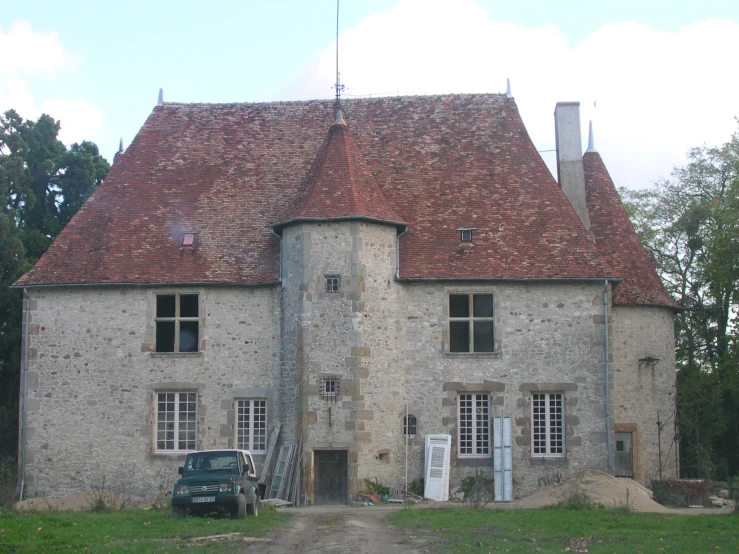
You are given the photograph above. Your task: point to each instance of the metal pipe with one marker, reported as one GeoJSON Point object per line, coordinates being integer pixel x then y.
{"type": "Point", "coordinates": [607, 370]}
{"type": "Point", "coordinates": [24, 381]}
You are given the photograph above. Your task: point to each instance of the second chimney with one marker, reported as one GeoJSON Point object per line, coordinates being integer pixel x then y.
{"type": "Point", "coordinates": [570, 172]}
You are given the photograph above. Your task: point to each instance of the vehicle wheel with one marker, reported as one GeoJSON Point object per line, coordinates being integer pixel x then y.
{"type": "Point", "coordinates": [178, 512]}
{"type": "Point", "coordinates": [253, 508]}
{"type": "Point", "coordinates": [240, 511]}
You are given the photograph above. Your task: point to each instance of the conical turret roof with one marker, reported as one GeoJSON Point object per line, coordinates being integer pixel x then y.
{"type": "Point", "coordinates": [619, 245]}
{"type": "Point", "coordinates": [340, 185]}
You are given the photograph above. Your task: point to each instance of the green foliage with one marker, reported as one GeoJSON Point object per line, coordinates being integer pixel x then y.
{"type": "Point", "coordinates": [577, 502]}
{"type": "Point", "coordinates": [691, 225]}
{"type": "Point", "coordinates": [8, 481]}
{"type": "Point", "coordinates": [375, 487]}
{"type": "Point", "coordinates": [42, 185]}
{"type": "Point", "coordinates": [417, 486]}
{"type": "Point", "coordinates": [562, 530]}
{"type": "Point", "coordinates": [128, 531]}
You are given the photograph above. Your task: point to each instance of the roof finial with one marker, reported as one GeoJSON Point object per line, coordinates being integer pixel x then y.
{"type": "Point", "coordinates": [591, 144]}
{"type": "Point", "coordinates": [120, 146]}
{"type": "Point", "coordinates": [160, 101]}
{"type": "Point", "coordinates": [508, 89]}
{"type": "Point", "coordinates": [338, 86]}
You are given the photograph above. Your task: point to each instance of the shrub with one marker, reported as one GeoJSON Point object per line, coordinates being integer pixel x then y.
{"type": "Point", "coordinates": [8, 481]}
{"type": "Point", "coordinates": [417, 487]}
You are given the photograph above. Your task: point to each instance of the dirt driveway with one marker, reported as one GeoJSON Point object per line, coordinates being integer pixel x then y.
{"type": "Point", "coordinates": [337, 529]}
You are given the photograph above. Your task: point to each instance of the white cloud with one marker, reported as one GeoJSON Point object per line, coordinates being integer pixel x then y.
{"type": "Point", "coordinates": [41, 56]}
{"type": "Point", "coordinates": [657, 93]}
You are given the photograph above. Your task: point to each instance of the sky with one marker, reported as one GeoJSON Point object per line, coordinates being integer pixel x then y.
{"type": "Point", "coordinates": [656, 77]}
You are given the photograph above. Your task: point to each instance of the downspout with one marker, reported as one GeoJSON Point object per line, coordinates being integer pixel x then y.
{"type": "Point", "coordinates": [397, 252]}
{"type": "Point", "coordinates": [607, 375]}
{"type": "Point", "coordinates": [24, 380]}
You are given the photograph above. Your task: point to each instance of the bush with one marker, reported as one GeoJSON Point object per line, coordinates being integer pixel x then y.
{"type": "Point", "coordinates": [577, 502]}
{"type": "Point", "coordinates": [375, 487]}
{"type": "Point", "coordinates": [417, 487]}
{"type": "Point", "coordinates": [8, 481]}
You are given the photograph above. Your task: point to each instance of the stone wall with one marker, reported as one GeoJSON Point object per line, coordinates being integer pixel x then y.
{"type": "Point", "coordinates": [93, 374]}
{"type": "Point", "coordinates": [643, 392]}
{"type": "Point", "coordinates": [93, 371]}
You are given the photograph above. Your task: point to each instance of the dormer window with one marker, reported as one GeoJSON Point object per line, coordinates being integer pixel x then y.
{"type": "Point", "coordinates": [466, 233]}
{"type": "Point", "coordinates": [188, 239]}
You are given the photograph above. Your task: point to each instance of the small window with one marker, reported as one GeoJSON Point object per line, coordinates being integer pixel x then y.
{"type": "Point", "coordinates": [471, 323]}
{"type": "Point", "coordinates": [333, 283]}
{"type": "Point", "coordinates": [330, 387]}
{"type": "Point", "coordinates": [177, 323]}
{"type": "Point", "coordinates": [466, 233]}
{"type": "Point", "coordinates": [548, 436]}
{"type": "Point", "coordinates": [410, 425]}
{"type": "Point", "coordinates": [176, 423]}
{"type": "Point", "coordinates": [474, 425]}
{"type": "Point", "coordinates": [188, 239]}
{"type": "Point", "coordinates": [619, 446]}
{"type": "Point", "coordinates": [251, 425]}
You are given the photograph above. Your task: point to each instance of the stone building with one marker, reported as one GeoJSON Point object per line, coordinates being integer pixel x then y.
{"type": "Point", "coordinates": [366, 278]}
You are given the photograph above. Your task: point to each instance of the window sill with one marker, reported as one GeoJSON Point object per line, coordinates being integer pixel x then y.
{"type": "Point", "coordinates": [462, 355]}
{"type": "Point", "coordinates": [476, 461]}
{"type": "Point", "coordinates": [176, 354]}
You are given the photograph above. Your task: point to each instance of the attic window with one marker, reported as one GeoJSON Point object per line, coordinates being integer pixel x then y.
{"type": "Point", "coordinates": [466, 233]}
{"type": "Point", "coordinates": [188, 239]}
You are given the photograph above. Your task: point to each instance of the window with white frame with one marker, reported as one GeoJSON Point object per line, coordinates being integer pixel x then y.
{"type": "Point", "coordinates": [177, 322]}
{"type": "Point", "coordinates": [471, 323]}
{"type": "Point", "coordinates": [251, 425]}
{"type": "Point", "coordinates": [474, 425]}
{"type": "Point", "coordinates": [177, 421]}
{"type": "Point", "coordinates": [410, 425]}
{"type": "Point", "coordinates": [548, 432]}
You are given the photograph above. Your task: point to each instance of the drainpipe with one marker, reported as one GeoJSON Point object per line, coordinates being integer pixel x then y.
{"type": "Point", "coordinates": [397, 252]}
{"type": "Point", "coordinates": [607, 368]}
{"type": "Point", "coordinates": [24, 380]}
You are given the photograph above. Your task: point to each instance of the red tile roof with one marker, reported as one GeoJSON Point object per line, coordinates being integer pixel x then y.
{"type": "Point", "coordinates": [618, 243]}
{"type": "Point", "coordinates": [228, 172]}
{"type": "Point", "coordinates": [340, 185]}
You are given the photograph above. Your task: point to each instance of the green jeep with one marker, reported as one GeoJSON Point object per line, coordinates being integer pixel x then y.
{"type": "Point", "coordinates": [216, 481]}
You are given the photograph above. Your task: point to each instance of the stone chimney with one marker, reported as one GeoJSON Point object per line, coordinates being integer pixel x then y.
{"type": "Point", "coordinates": [570, 171]}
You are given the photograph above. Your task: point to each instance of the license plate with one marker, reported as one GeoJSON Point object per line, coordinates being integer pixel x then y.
{"type": "Point", "coordinates": [196, 499]}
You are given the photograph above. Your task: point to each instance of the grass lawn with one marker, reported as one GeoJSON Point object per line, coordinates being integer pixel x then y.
{"type": "Point", "coordinates": [560, 530]}
{"type": "Point", "coordinates": [129, 531]}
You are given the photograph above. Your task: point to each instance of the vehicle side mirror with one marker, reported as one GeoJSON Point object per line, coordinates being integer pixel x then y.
{"type": "Point", "coordinates": [180, 470]}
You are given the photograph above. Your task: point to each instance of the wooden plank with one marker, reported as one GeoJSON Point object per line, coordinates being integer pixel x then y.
{"type": "Point", "coordinates": [270, 452]}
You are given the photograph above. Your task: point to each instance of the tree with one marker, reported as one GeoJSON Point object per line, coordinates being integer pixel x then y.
{"type": "Point", "coordinates": [42, 185]}
{"type": "Point", "coordinates": [691, 225]}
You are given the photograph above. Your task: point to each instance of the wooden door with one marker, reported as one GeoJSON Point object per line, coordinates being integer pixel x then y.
{"type": "Point", "coordinates": [330, 485]}
{"type": "Point", "coordinates": [623, 459]}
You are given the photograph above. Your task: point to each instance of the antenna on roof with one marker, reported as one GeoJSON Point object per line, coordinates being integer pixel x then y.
{"type": "Point", "coordinates": [160, 101]}
{"type": "Point", "coordinates": [338, 86]}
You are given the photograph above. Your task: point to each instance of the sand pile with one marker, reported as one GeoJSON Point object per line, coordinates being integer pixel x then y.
{"type": "Point", "coordinates": [600, 488]}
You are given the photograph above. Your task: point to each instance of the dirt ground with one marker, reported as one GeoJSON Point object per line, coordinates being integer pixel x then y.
{"type": "Point", "coordinates": [337, 529]}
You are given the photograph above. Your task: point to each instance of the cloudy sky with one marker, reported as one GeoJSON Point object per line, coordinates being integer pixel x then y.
{"type": "Point", "coordinates": [656, 76]}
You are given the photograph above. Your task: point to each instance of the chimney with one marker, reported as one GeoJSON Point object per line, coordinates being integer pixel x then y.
{"type": "Point", "coordinates": [570, 172]}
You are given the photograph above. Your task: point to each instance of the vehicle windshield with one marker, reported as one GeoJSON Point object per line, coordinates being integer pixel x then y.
{"type": "Point", "coordinates": [212, 461]}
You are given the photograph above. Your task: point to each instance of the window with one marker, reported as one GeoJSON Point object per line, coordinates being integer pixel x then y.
{"type": "Point", "coordinates": [177, 323]}
{"type": "Point", "coordinates": [471, 323]}
{"type": "Point", "coordinates": [548, 424]}
{"type": "Point", "coordinates": [330, 387]}
{"type": "Point", "coordinates": [333, 283]}
{"type": "Point", "coordinates": [410, 425]}
{"type": "Point", "coordinates": [466, 233]}
{"type": "Point", "coordinates": [177, 418]}
{"type": "Point", "coordinates": [251, 425]}
{"type": "Point", "coordinates": [474, 424]}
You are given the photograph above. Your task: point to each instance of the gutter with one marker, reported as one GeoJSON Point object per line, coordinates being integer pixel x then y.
{"type": "Point", "coordinates": [606, 368]}
{"type": "Point", "coordinates": [23, 393]}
